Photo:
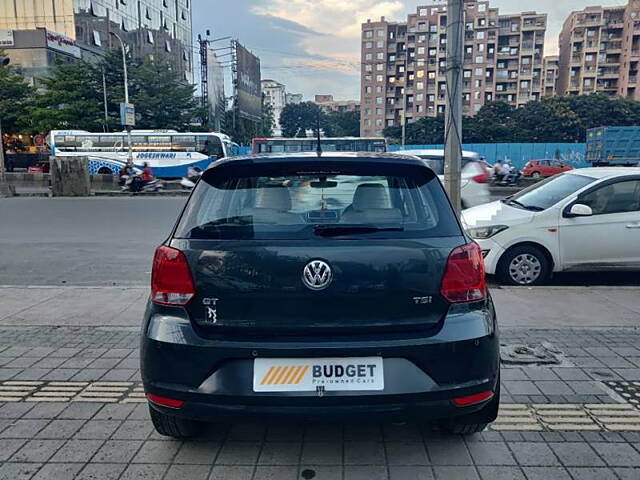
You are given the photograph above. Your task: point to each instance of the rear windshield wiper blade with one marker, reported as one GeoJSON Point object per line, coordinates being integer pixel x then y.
{"type": "Point", "coordinates": [225, 222]}
{"type": "Point", "coordinates": [338, 230]}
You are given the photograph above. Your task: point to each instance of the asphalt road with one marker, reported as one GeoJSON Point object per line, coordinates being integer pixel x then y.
{"type": "Point", "coordinates": [84, 241]}
{"type": "Point", "coordinates": [110, 241]}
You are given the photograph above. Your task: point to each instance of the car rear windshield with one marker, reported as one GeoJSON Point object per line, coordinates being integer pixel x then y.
{"type": "Point", "coordinates": [301, 201]}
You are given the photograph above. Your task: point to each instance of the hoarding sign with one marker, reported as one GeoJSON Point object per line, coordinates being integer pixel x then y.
{"type": "Point", "coordinates": [6, 38]}
{"type": "Point", "coordinates": [249, 99]}
{"type": "Point", "coordinates": [63, 44]}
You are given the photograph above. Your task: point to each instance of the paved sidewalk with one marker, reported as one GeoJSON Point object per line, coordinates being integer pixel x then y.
{"type": "Point", "coordinates": [539, 307]}
{"type": "Point", "coordinates": [579, 429]}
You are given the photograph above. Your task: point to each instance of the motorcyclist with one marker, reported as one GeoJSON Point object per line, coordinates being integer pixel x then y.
{"type": "Point", "coordinates": [126, 172]}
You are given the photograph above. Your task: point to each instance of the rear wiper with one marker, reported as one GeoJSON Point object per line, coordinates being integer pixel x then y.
{"type": "Point", "coordinates": [338, 230]}
{"type": "Point", "coordinates": [229, 221]}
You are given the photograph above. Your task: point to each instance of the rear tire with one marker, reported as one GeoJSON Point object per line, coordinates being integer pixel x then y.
{"type": "Point", "coordinates": [475, 422]}
{"type": "Point", "coordinates": [175, 427]}
{"type": "Point", "coordinates": [524, 265]}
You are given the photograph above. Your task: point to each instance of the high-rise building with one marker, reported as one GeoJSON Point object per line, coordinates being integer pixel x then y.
{"type": "Point", "coordinates": [275, 94]}
{"type": "Point", "coordinates": [404, 64]}
{"type": "Point", "coordinates": [161, 28]}
{"type": "Point", "coordinates": [550, 74]}
{"type": "Point", "coordinates": [600, 51]}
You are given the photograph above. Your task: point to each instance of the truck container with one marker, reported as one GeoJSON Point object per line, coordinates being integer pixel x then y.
{"type": "Point", "coordinates": [613, 146]}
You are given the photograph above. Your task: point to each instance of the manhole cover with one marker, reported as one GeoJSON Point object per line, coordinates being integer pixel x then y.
{"type": "Point", "coordinates": [629, 391]}
{"type": "Point", "coordinates": [534, 354]}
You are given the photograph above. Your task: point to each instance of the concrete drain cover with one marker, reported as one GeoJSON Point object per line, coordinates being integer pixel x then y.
{"type": "Point", "coordinates": [629, 391]}
{"type": "Point", "coordinates": [523, 354]}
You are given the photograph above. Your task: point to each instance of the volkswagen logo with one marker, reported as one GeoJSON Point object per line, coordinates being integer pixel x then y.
{"type": "Point", "coordinates": [317, 275]}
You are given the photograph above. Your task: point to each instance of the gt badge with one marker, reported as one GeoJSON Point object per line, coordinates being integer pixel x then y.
{"type": "Point", "coordinates": [211, 312]}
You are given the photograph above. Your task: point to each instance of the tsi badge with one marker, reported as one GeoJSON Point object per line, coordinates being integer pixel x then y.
{"type": "Point", "coordinates": [211, 312]}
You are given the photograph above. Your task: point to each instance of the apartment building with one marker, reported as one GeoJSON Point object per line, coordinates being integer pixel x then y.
{"type": "Point", "coordinates": [275, 94]}
{"type": "Point", "coordinates": [550, 75]}
{"type": "Point", "coordinates": [404, 63]}
{"type": "Point", "coordinates": [591, 51]}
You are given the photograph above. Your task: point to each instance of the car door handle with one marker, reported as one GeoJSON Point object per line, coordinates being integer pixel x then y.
{"type": "Point", "coordinates": [633, 225]}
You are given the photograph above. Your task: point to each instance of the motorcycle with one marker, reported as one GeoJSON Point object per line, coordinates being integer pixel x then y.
{"type": "Point", "coordinates": [134, 184]}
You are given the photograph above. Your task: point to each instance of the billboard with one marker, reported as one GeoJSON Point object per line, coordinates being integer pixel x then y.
{"type": "Point", "coordinates": [6, 38]}
{"type": "Point", "coordinates": [62, 43]}
{"type": "Point", "coordinates": [249, 94]}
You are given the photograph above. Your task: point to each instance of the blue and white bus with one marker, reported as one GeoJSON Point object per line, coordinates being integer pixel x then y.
{"type": "Point", "coordinates": [168, 153]}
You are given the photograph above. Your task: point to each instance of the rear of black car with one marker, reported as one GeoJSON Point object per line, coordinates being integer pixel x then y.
{"type": "Point", "coordinates": [332, 286]}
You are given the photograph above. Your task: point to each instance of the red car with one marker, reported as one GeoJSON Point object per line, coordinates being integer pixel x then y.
{"type": "Point", "coordinates": [544, 168]}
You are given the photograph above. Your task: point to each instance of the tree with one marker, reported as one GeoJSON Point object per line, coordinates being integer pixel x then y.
{"type": "Point", "coordinates": [296, 119]}
{"type": "Point", "coordinates": [243, 131]}
{"type": "Point", "coordinates": [15, 94]}
{"type": "Point", "coordinates": [73, 96]}
{"type": "Point", "coordinates": [343, 124]}
{"type": "Point", "coordinates": [161, 98]}
{"type": "Point", "coordinates": [72, 99]}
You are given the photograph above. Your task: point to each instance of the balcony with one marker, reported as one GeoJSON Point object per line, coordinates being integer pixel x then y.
{"type": "Point", "coordinates": [508, 31]}
{"type": "Point", "coordinates": [633, 79]}
{"type": "Point", "coordinates": [527, 46]}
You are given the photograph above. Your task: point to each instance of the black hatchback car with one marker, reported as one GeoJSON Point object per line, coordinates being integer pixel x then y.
{"type": "Point", "coordinates": [332, 286]}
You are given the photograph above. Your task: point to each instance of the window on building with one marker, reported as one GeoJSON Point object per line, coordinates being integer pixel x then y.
{"type": "Point", "coordinates": [431, 75]}
{"type": "Point", "coordinates": [379, 78]}
{"type": "Point", "coordinates": [380, 56]}
{"type": "Point", "coordinates": [482, 7]}
{"type": "Point", "coordinates": [419, 85]}
{"type": "Point", "coordinates": [433, 52]}
{"type": "Point", "coordinates": [380, 44]}
{"type": "Point", "coordinates": [368, 34]}
{"type": "Point", "coordinates": [422, 38]}
{"type": "Point", "coordinates": [378, 122]}
{"type": "Point", "coordinates": [380, 33]}
{"type": "Point", "coordinates": [480, 35]}
{"type": "Point", "coordinates": [422, 12]}
{"type": "Point", "coordinates": [97, 41]}
{"type": "Point", "coordinates": [150, 37]}
{"type": "Point", "coordinates": [367, 89]}
{"type": "Point", "coordinates": [422, 26]}
{"type": "Point", "coordinates": [380, 67]}
{"type": "Point", "coordinates": [379, 100]}
{"type": "Point", "coordinates": [432, 98]}
{"type": "Point", "coordinates": [368, 45]}
{"type": "Point", "coordinates": [368, 57]}
{"type": "Point", "coordinates": [481, 47]}
{"type": "Point", "coordinates": [421, 50]}
{"type": "Point", "coordinates": [479, 59]}
{"type": "Point", "coordinates": [368, 78]}
{"type": "Point", "coordinates": [478, 83]}
{"type": "Point", "coordinates": [466, 74]}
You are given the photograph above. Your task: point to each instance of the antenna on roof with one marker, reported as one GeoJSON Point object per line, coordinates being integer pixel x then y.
{"type": "Point", "coordinates": [319, 145]}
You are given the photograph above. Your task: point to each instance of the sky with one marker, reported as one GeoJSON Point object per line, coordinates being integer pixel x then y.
{"type": "Point", "coordinates": [313, 46]}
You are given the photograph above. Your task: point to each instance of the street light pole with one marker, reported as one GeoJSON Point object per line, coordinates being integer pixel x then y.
{"type": "Point", "coordinates": [453, 123]}
{"type": "Point", "coordinates": [126, 95]}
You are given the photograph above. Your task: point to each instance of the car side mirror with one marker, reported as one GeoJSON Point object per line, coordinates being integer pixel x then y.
{"type": "Point", "coordinates": [580, 210]}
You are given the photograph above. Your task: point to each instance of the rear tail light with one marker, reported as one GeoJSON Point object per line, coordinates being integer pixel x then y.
{"type": "Point", "coordinates": [464, 279]}
{"type": "Point", "coordinates": [164, 401]}
{"type": "Point", "coordinates": [481, 177]}
{"type": "Point", "coordinates": [171, 282]}
{"type": "Point", "coordinates": [472, 399]}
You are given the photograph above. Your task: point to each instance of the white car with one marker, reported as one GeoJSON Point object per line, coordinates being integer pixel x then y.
{"type": "Point", "coordinates": [475, 176]}
{"type": "Point", "coordinates": [585, 219]}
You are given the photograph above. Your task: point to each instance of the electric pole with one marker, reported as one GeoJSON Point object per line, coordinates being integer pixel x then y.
{"type": "Point", "coordinates": [453, 119]}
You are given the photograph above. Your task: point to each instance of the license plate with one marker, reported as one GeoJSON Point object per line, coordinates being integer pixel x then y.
{"type": "Point", "coordinates": [318, 374]}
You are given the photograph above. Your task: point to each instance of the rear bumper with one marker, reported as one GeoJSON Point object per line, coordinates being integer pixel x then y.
{"type": "Point", "coordinates": [422, 375]}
